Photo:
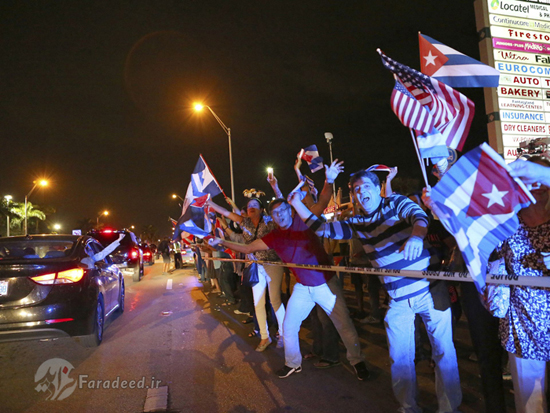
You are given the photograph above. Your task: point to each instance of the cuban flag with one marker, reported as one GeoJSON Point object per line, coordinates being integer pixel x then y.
{"type": "Point", "coordinates": [311, 156]}
{"type": "Point", "coordinates": [452, 67]}
{"type": "Point", "coordinates": [452, 112]}
{"type": "Point", "coordinates": [477, 201]}
{"type": "Point", "coordinates": [179, 234]}
{"type": "Point", "coordinates": [194, 221]}
{"type": "Point", "coordinates": [202, 187]}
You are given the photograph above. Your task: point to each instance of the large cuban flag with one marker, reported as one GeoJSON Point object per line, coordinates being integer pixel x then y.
{"type": "Point", "coordinates": [452, 67]}
{"type": "Point", "coordinates": [477, 201]}
{"type": "Point", "coordinates": [202, 187]}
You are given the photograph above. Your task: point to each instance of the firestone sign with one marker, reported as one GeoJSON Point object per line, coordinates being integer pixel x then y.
{"type": "Point", "coordinates": [519, 47]}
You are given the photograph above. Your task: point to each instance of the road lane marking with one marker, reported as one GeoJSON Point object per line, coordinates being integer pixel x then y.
{"type": "Point", "coordinates": [169, 284]}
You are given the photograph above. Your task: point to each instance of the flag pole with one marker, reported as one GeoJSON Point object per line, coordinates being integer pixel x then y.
{"type": "Point", "coordinates": [422, 167]}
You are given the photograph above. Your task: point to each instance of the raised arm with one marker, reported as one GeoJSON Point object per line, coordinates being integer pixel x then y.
{"type": "Point", "coordinates": [331, 172]}
{"type": "Point", "coordinates": [333, 230]}
{"type": "Point", "coordinates": [254, 246]}
{"type": "Point", "coordinates": [275, 185]}
{"type": "Point", "coordinates": [389, 178]}
{"type": "Point", "coordinates": [298, 164]}
{"type": "Point", "coordinates": [222, 211]}
{"type": "Point", "coordinates": [108, 249]}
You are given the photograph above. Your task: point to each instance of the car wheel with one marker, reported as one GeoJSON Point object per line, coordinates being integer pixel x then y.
{"type": "Point", "coordinates": [136, 275]}
{"type": "Point", "coordinates": [95, 339]}
{"type": "Point", "coordinates": [121, 297]}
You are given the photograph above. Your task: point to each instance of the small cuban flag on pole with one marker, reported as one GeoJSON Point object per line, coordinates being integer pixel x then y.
{"type": "Point", "coordinates": [452, 67]}
{"type": "Point", "coordinates": [311, 156]}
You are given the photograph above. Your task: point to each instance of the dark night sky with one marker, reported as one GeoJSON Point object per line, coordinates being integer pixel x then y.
{"type": "Point", "coordinates": [97, 95]}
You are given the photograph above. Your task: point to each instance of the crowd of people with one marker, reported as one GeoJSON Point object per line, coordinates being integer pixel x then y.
{"type": "Point", "coordinates": [387, 230]}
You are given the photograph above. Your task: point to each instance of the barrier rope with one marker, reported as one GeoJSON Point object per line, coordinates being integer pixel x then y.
{"type": "Point", "coordinates": [543, 282]}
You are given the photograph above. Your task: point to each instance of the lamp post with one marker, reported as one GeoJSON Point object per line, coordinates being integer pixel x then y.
{"type": "Point", "coordinates": [103, 213]}
{"type": "Point", "coordinates": [42, 182]}
{"type": "Point", "coordinates": [174, 196]}
{"type": "Point", "coordinates": [8, 198]}
{"type": "Point", "coordinates": [329, 138]}
{"type": "Point", "coordinates": [198, 108]}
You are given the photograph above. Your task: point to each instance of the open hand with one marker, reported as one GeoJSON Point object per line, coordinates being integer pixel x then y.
{"type": "Point", "coordinates": [412, 249]}
{"type": "Point", "coordinates": [332, 171]}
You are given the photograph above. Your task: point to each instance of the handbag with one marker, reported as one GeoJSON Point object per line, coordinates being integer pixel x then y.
{"type": "Point", "coordinates": [250, 275]}
{"type": "Point", "coordinates": [250, 272]}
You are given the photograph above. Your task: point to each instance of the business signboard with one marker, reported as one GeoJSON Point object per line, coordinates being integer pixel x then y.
{"type": "Point", "coordinates": [515, 39]}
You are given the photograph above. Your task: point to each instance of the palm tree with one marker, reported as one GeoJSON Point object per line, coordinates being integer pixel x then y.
{"type": "Point", "coordinates": [148, 233]}
{"type": "Point", "coordinates": [18, 210]}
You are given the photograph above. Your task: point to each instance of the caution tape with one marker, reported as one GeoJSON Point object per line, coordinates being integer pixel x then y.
{"type": "Point", "coordinates": [543, 282]}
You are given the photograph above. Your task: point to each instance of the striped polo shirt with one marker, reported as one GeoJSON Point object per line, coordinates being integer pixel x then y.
{"type": "Point", "coordinates": [382, 233]}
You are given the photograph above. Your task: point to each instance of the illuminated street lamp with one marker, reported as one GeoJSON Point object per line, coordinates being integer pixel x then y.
{"type": "Point", "coordinates": [174, 196]}
{"type": "Point", "coordinates": [56, 227]}
{"type": "Point", "coordinates": [198, 107]}
{"type": "Point", "coordinates": [101, 214]}
{"type": "Point", "coordinates": [8, 198]}
{"type": "Point", "coordinates": [42, 183]}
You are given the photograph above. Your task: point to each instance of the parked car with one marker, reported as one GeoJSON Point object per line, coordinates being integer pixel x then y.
{"type": "Point", "coordinates": [148, 256]}
{"type": "Point", "coordinates": [187, 256]}
{"type": "Point", "coordinates": [128, 256]}
{"type": "Point", "coordinates": [48, 291]}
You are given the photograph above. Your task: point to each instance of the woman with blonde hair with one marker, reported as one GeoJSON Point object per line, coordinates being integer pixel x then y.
{"type": "Point", "coordinates": [255, 226]}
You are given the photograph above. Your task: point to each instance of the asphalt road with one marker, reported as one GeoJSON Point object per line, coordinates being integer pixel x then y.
{"type": "Point", "coordinates": [184, 339]}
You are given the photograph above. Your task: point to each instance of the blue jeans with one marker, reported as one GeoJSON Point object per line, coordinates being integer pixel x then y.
{"type": "Point", "coordinates": [331, 300]}
{"type": "Point", "coordinates": [400, 328]}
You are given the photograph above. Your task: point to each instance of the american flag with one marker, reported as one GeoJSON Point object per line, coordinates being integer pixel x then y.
{"type": "Point", "coordinates": [410, 111]}
{"type": "Point", "coordinates": [452, 112]}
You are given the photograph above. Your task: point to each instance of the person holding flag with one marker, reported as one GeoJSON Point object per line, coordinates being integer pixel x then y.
{"type": "Point", "coordinates": [525, 330]}
{"type": "Point", "coordinates": [255, 226]}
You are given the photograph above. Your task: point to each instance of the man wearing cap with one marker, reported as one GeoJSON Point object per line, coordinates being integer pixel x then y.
{"type": "Point", "coordinates": [392, 231]}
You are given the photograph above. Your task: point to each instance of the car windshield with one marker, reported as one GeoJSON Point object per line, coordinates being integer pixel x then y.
{"type": "Point", "coordinates": [35, 249]}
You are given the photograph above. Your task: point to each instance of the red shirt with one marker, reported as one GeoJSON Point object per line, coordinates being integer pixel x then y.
{"type": "Point", "coordinates": [300, 245]}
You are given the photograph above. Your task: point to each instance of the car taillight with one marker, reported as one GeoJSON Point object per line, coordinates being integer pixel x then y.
{"type": "Point", "coordinates": [46, 279]}
{"type": "Point", "coordinates": [134, 254]}
{"type": "Point", "coordinates": [147, 254]}
{"type": "Point", "coordinates": [63, 277]}
{"type": "Point", "coordinates": [70, 276]}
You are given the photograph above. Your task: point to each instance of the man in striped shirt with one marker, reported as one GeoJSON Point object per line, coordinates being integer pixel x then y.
{"type": "Point", "coordinates": [392, 231]}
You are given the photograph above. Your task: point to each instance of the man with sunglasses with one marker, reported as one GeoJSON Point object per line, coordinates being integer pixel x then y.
{"type": "Point", "coordinates": [392, 231]}
{"type": "Point", "coordinates": [294, 242]}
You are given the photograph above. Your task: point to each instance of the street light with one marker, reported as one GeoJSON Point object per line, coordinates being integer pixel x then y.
{"type": "Point", "coordinates": [198, 107]}
{"type": "Point", "coordinates": [102, 213]}
{"type": "Point", "coordinates": [8, 198]}
{"type": "Point", "coordinates": [42, 183]}
{"type": "Point", "coordinates": [174, 196]}
{"type": "Point", "coordinates": [56, 227]}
